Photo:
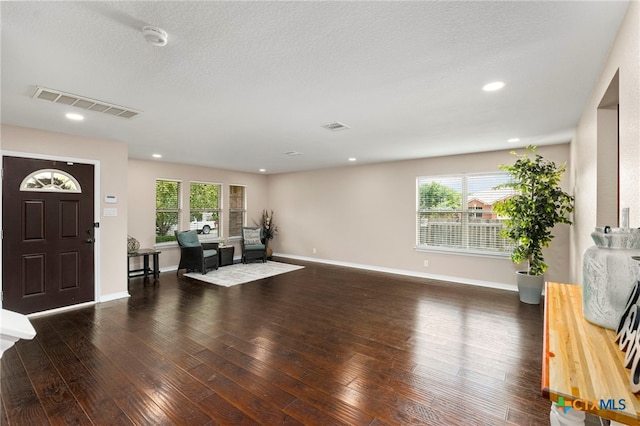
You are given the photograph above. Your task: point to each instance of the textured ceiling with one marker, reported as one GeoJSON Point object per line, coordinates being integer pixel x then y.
{"type": "Point", "coordinates": [241, 83]}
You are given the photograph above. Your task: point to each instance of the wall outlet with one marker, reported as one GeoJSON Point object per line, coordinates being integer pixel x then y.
{"type": "Point", "coordinates": [314, 250]}
{"type": "Point", "coordinates": [426, 263]}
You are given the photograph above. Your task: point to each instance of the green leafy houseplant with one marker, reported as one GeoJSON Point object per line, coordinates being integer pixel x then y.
{"type": "Point", "coordinates": [539, 205]}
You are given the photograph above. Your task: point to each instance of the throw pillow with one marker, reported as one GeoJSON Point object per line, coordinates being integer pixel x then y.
{"type": "Point", "coordinates": [251, 236]}
{"type": "Point", "coordinates": [189, 239]}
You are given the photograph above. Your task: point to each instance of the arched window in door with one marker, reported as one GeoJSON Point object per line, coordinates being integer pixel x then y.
{"type": "Point", "coordinates": [50, 180]}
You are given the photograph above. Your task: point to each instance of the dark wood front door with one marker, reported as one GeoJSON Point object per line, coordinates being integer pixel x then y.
{"type": "Point", "coordinates": [48, 235]}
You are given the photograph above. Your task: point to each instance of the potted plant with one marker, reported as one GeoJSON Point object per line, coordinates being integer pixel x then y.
{"type": "Point", "coordinates": [269, 229]}
{"type": "Point", "coordinates": [539, 204]}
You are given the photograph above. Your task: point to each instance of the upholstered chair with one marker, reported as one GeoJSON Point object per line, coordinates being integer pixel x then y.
{"type": "Point", "coordinates": [253, 247]}
{"type": "Point", "coordinates": [194, 255]}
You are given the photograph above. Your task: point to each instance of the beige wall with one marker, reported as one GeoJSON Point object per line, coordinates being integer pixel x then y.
{"type": "Point", "coordinates": [133, 182]}
{"type": "Point", "coordinates": [625, 58]}
{"type": "Point", "coordinates": [366, 215]}
{"type": "Point", "coordinates": [141, 189]}
{"type": "Point", "coordinates": [112, 156]}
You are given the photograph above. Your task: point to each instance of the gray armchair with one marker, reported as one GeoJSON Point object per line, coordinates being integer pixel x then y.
{"type": "Point", "coordinates": [194, 255]}
{"type": "Point", "coordinates": [253, 245]}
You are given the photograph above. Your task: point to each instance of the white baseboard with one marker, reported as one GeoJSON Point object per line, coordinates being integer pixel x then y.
{"type": "Point", "coordinates": [459, 280]}
{"type": "Point", "coordinates": [114, 296]}
{"type": "Point", "coordinates": [62, 309]}
{"type": "Point", "coordinates": [106, 298]}
{"type": "Point", "coordinates": [468, 281]}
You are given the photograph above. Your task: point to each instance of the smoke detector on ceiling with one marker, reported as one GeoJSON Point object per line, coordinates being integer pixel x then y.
{"type": "Point", "coordinates": [155, 35]}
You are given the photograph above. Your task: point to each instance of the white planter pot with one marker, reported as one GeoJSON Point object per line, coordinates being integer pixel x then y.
{"type": "Point", "coordinates": [530, 287]}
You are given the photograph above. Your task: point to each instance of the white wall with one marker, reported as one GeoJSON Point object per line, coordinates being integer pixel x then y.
{"type": "Point", "coordinates": [366, 215]}
{"type": "Point", "coordinates": [1, 248]}
{"type": "Point", "coordinates": [625, 58]}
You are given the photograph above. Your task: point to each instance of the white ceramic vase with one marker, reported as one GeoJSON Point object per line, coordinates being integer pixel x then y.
{"type": "Point", "coordinates": [608, 274]}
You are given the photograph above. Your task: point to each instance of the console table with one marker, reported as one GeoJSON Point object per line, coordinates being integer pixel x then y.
{"type": "Point", "coordinates": [582, 363]}
{"type": "Point", "coordinates": [145, 270]}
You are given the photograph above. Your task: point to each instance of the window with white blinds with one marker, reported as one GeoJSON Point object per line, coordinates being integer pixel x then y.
{"type": "Point", "coordinates": [237, 210]}
{"type": "Point", "coordinates": [455, 213]}
{"type": "Point", "coordinates": [204, 205]}
{"type": "Point", "coordinates": [167, 209]}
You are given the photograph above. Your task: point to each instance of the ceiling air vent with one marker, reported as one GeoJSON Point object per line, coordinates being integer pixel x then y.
{"type": "Point", "coordinates": [59, 97]}
{"type": "Point", "coordinates": [335, 126]}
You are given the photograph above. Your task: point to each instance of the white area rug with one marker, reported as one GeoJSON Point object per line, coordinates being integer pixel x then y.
{"type": "Point", "coordinates": [240, 273]}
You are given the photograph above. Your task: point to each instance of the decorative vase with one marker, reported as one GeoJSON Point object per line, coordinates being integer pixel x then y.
{"type": "Point", "coordinates": [608, 274]}
{"type": "Point", "coordinates": [268, 250]}
{"type": "Point", "coordinates": [132, 244]}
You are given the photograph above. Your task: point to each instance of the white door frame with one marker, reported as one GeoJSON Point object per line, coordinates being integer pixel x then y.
{"type": "Point", "coordinates": [96, 207]}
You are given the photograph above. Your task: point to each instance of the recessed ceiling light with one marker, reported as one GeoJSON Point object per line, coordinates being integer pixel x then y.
{"type": "Point", "coordinates": [492, 87]}
{"type": "Point", "coordinates": [352, 159]}
{"type": "Point", "coordinates": [74, 117]}
{"type": "Point", "coordinates": [262, 170]}
{"type": "Point", "coordinates": [512, 140]}
{"type": "Point", "coordinates": [156, 155]}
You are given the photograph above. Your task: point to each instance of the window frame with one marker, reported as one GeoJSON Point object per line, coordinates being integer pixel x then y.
{"type": "Point", "coordinates": [168, 238]}
{"type": "Point", "coordinates": [233, 210]}
{"type": "Point", "coordinates": [51, 186]}
{"type": "Point", "coordinates": [217, 210]}
{"type": "Point", "coordinates": [466, 215]}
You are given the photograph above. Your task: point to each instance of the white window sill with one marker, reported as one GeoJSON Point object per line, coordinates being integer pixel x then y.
{"type": "Point", "coordinates": [168, 244]}
{"type": "Point", "coordinates": [445, 250]}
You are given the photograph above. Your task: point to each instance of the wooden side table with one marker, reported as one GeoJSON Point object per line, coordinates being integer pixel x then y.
{"type": "Point", "coordinates": [145, 270]}
{"type": "Point", "coordinates": [225, 255]}
{"type": "Point", "coordinates": [582, 364]}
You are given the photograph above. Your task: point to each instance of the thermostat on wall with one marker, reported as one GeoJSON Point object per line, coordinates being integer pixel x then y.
{"type": "Point", "coordinates": [110, 199]}
{"type": "Point", "coordinates": [110, 212]}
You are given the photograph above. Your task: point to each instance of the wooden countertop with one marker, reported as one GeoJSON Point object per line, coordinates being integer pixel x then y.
{"type": "Point", "coordinates": [581, 361]}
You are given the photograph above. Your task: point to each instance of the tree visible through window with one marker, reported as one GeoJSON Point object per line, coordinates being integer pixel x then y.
{"type": "Point", "coordinates": [204, 205]}
{"type": "Point", "coordinates": [455, 213]}
{"type": "Point", "coordinates": [167, 209]}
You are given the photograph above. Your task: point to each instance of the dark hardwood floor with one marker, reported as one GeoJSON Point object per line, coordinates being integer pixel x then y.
{"type": "Point", "coordinates": [323, 345]}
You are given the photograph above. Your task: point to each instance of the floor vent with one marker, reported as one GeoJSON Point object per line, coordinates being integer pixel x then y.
{"type": "Point", "coordinates": [59, 97]}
